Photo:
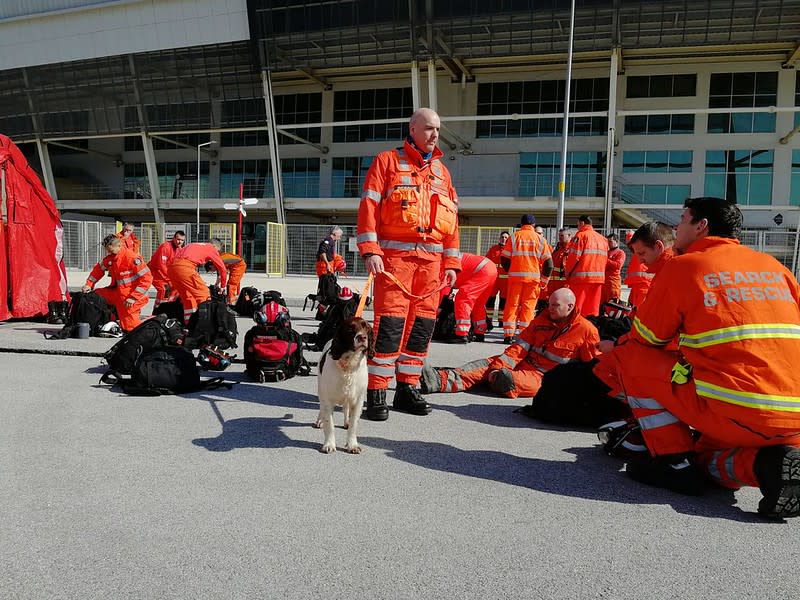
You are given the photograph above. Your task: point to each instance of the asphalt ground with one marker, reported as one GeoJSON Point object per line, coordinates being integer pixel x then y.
{"type": "Point", "coordinates": [225, 494]}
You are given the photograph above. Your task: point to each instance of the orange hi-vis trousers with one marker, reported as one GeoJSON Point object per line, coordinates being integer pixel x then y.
{"type": "Point", "coordinates": [235, 274]}
{"type": "Point", "coordinates": [164, 291]}
{"type": "Point", "coordinates": [191, 288]}
{"type": "Point", "coordinates": [526, 380]}
{"type": "Point", "coordinates": [520, 305]}
{"type": "Point", "coordinates": [129, 316]}
{"type": "Point", "coordinates": [726, 448]}
{"type": "Point", "coordinates": [587, 297]}
{"type": "Point", "coordinates": [403, 325]}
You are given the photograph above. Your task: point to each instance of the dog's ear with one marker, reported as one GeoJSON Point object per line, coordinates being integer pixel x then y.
{"type": "Point", "coordinates": [371, 339]}
{"type": "Point", "coordinates": [339, 345]}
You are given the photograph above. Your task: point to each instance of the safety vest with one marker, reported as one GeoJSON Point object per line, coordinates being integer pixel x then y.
{"type": "Point", "coordinates": [587, 254]}
{"type": "Point", "coordinates": [736, 313]}
{"type": "Point", "coordinates": [527, 252]}
{"type": "Point", "coordinates": [128, 271]}
{"type": "Point", "coordinates": [409, 204]}
{"type": "Point", "coordinates": [545, 343]}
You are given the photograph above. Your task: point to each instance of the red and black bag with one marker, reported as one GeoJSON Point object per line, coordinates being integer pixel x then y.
{"type": "Point", "coordinates": [273, 351]}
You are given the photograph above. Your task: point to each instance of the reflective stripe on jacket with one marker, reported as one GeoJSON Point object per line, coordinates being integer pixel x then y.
{"type": "Point", "coordinates": [736, 313]}
{"type": "Point", "coordinates": [587, 254]}
{"type": "Point", "coordinates": [129, 274]}
{"type": "Point", "coordinates": [637, 274]}
{"type": "Point", "coordinates": [409, 204]}
{"type": "Point", "coordinates": [527, 251]}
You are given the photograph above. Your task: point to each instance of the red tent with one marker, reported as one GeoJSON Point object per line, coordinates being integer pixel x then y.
{"type": "Point", "coordinates": [31, 252]}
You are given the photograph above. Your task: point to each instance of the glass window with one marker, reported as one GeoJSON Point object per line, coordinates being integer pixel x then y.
{"type": "Point", "coordinates": [655, 194]}
{"type": "Point", "coordinates": [794, 193]}
{"type": "Point", "coordinates": [797, 99]}
{"type": "Point", "coordinates": [657, 161]}
{"type": "Point", "coordinates": [659, 124]}
{"type": "Point", "coordinates": [348, 175]}
{"type": "Point", "coordinates": [365, 105]}
{"type": "Point", "coordinates": [742, 90]}
{"type": "Point", "coordinates": [256, 176]}
{"type": "Point", "coordinates": [300, 177]}
{"type": "Point", "coordinates": [539, 173]}
{"type": "Point", "coordinates": [743, 176]}
{"type": "Point", "coordinates": [661, 86]}
{"type": "Point", "coordinates": [541, 97]}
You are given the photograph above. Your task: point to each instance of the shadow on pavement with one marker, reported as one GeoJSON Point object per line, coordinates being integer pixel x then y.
{"type": "Point", "coordinates": [254, 432]}
{"type": "Point", "coordinates": [592, 476]}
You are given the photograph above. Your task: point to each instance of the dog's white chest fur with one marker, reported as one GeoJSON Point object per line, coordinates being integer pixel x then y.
{"type": "Point", "coordinates": [342, 383]}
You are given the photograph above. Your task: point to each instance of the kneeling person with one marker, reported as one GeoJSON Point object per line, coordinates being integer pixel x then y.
{"type": "Point", "coordinates": [556, 336]}
{"type": "Point", "coordinates": [130, 280]}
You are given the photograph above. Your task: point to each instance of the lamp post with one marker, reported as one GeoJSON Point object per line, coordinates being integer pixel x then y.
{"type": "Point", "coordinates": [197, 230]}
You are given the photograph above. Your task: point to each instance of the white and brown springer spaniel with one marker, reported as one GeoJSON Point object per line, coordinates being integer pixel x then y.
{"type": "Point", "coordinates": [342, 381]}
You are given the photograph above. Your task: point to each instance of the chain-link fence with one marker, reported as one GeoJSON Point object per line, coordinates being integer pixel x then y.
{"type": "Point", "coordinates": [295, 246]}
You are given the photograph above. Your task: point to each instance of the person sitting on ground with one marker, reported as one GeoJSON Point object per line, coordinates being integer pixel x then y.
{"type": "Point", "coordinates": [556, 336]}
{"type": "Point", "coordinates": [728, 403]}
{"type": "Point", "coordinates": [130, 280]}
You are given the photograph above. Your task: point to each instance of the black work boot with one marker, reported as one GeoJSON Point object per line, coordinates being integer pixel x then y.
{"type": "Point", "coordinates": [56, 314]}
{"type": "Point", "coordinates": [777, 469]}
{"type": "Point", "coordinates": [408, 399]}
{"type": "Point", "coordinates": [376, 405]}
{"type": "Point", "coordinates": [671, 471]}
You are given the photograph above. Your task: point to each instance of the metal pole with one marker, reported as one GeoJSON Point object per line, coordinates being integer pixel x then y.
{"type": "Point", "coordinates": [241, 203]}
{"type": "Point", "coordinates": [612, 128]}
{"type": "Point", "coordinates": [563, 171]}
{"type": "Point", "coordinates": [197, 230]}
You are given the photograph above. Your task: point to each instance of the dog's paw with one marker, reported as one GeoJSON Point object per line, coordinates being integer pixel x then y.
{"type": "Point", "coordinates": [346, 425]}
{"type": "Point", "coordinates": [328, 448]}
{"type": "Point", "coordinates": [353, 448]}
{"type": "Point", "coordinates": [317, 424]}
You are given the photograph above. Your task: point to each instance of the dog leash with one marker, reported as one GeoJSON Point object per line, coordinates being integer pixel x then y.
{"type": "Point", "coordinates": [363, 300]}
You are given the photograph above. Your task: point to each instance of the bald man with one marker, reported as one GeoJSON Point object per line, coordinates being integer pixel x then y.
{"type": "Point", "coordinates": [556, 336]}
{"type": "Point", "coordinates": [408, 238]}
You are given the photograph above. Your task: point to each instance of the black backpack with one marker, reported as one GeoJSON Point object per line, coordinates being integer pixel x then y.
{"type": "Point", "coordinates": [445, 327]}
{"type": "Point", "coordinates": [169, 370]}
{"type": "Point", "coordinates": [274, 353]}
{"type": "Point", "coordinates": [172, 310]}
{"type": "Point", "coordinates": [153, 334]}
{"type": "Point", "coordinates": [85, 307]}
{"type": "Point", "coordinates": [248, 302]}
{"type": "Point", "coordinates": [213, 324]}
{"type": "Point", "coordinates": [572, 395]}
{"type": "Point", "coordinates": [334, 315]}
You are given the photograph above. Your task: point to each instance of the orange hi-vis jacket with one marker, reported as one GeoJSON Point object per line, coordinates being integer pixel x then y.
{"type": "Point", "coordinates": [493, 254]}
{"type": "Point", "coordinates": [131, 242]}
{"type": "Point", "coordinates": [638, 274]}
{"type": "Point", "coordinates": [587, 254]}
{"type": "Point", "coordinates": [409, 204]}
{"type": "Point", "coordinates": [199, 253]}
{"type": "Point", "coordinates": [546, 343]}
{"type": "Point", "coordinates": [736, 313]}
{"type": "Point", "coordinates": [160, 260]}
{"type": "Point", "coordinates": [557, 279]}
{"type": "Point", "coordinates": [527, 251]}
{"type": "Point", "coordinates": [129, 274]}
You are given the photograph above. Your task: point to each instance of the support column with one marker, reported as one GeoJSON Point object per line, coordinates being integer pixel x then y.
{"type": "Point", "coordinates": [612, 129]}
{"type": "Point", "coordinates": [415, 84]}
{"type": "Point", "coordinates": [152, 178]}
{"type": "Point", "coordinates": [274, 154]}
{"type": "Point", "coordinates": [432, 96]}
{"type": "Point", "coordinates": [47, 169]}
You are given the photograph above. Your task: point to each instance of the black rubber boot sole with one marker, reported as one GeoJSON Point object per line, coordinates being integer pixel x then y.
{"type": "Point", "coordinates": [786, 502]}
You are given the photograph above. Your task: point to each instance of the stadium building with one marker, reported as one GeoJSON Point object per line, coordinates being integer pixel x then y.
{"type": "Point", "coordinates": [159, 110]}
